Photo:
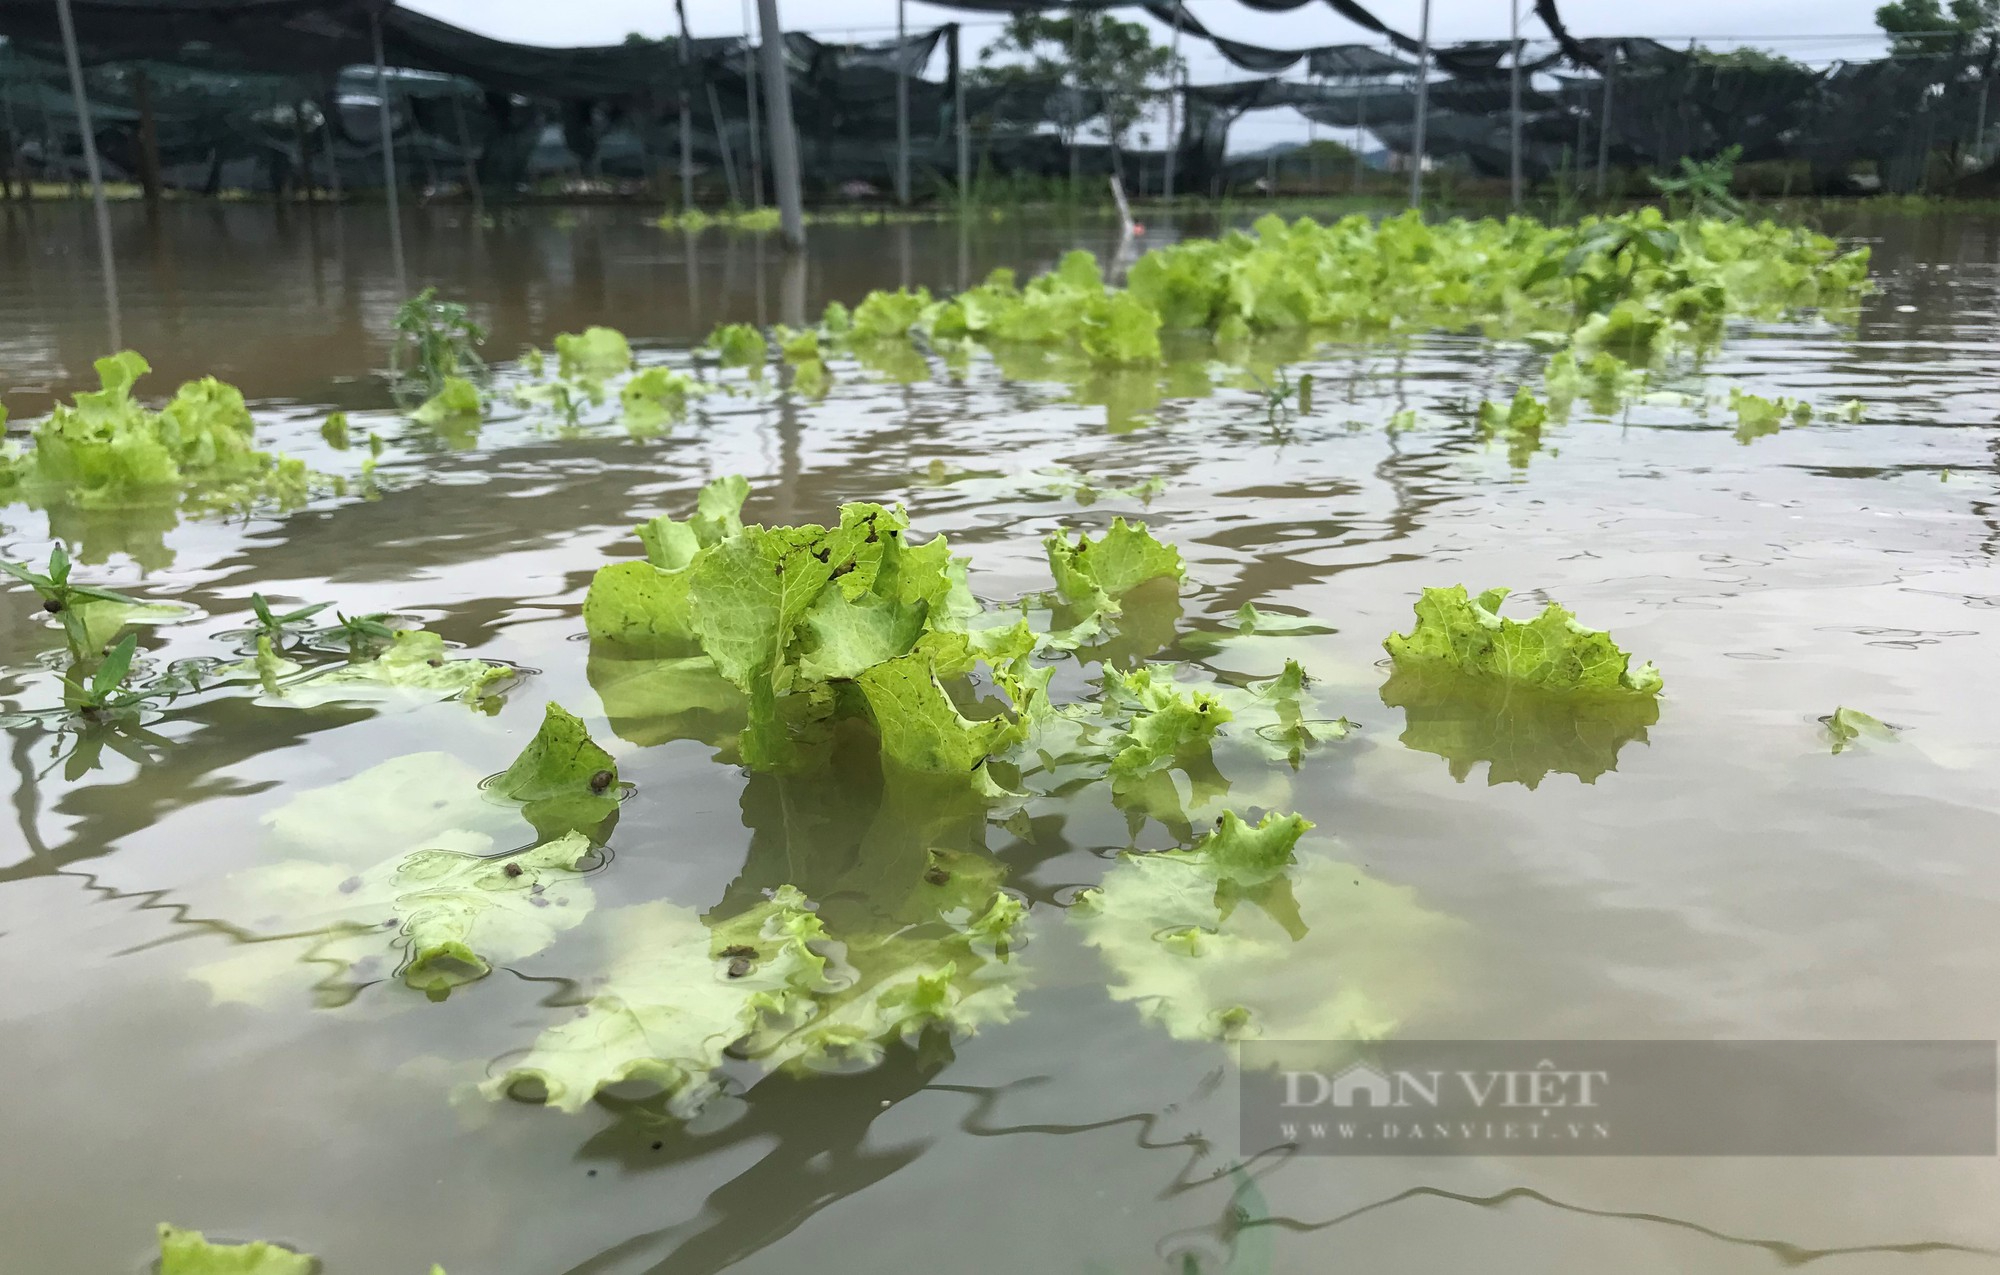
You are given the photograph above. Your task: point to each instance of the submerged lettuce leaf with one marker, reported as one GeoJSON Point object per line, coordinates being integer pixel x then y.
{"type": "Point", "coordinates": [1161, 719]}
{"type": "Point", "coordinates": [592, 354]}
{"type": "Point", "coordinates": [773, 985]}
{"type": "Point", "coordinates": [566, 782]}
{"type": "Point", "coordinates": [416, 661]}
{"type": "Point", "coordinates": [456, 400]}
{"type": "Point", "coordinates": [1523, 733]}
{"type": "Point", "coordinates": [439, 917]}
{"type": "Point", "coordinates": [655, 397]}
{"type": "Point", "coordinates": [1094, 574]}
{"type": "Point", "coordinates": [1210, 942]}
{"type": "Point", "coordinates": [1551, 652]}
{"type": "Point", "coordinates": [106, 450]}
{"type": "Point", "coordinates": [191, 1253]}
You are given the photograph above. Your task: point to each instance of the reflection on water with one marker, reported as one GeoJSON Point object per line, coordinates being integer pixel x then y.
{"type": "Point", "coordinates": [1716, 873]}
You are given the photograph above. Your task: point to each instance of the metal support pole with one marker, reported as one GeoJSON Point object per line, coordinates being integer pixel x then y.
{"type": "Point", "coordinates": [1360, 129]}
{"type": "Point", "coordinates": [902, 107]}
{"type": "Point", "coordinates": [15, 173]}
{"type": "Point", "coordinates": [960, 126]}
{"type": "Point", "coordinates": [329, 104]}
{"type": "Point", "coordinates": [1423, 108]}
{"type": "Point", "coordinates": [1979, 119]}
{"type": "Point", "coordinates": [687, 124]}
{"type": "Point", "coordinates": [1173, 106]}
{"type": "Point", "coordinates": [722, 146]}
{"type": "Point", "coordinates": [110, 266]}
{"type": "Point", "coordinates": [388, 156]}
{"type": "Point", "coordinates": [472, 186]}
{"type": "Point", "coordinates": [756, 129]}
{"type": "Point", "coordinates": [1076, 101]}
{"type": "Point", "coordinates": [1604, 120]}
{"type": "Point", "coordinates": [302, 179]}
{"type": "Point", "coordinates": [1514, 102]}
{"type": "Point", "coordinates": [784, 137]}
{"type": "Point", "coordinates": [149, 140]}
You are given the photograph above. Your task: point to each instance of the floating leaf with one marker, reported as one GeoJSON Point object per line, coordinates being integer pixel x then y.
{"type": "Point", "coordinates": [415, 662]}
{"type": "Point", "coordinates": [191, 1253]}
{"type": "Point", "coordinates": [1847, 726]}
{"type": "Point", "coordinates": [593, 354]}
{"type": "Point", "coordinates": [1551, 652]}
{"type": "Point", "coordinates": [564, 779]}
{"type": "Point", "coordinates": [1209, 942]}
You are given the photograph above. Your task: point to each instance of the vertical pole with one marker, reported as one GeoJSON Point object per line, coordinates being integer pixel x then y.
{"type": "Point", "coordinates": [472, 186]}
{"type": "Point", "coordinates": [960, 126]}
{"type": "Point", "coordinates": [756, 129]}
{"type": "Point", "coordinates": [1979, 119]}
{"type": "Point", "coordinates": [104, 256]}
{"type": "Point", "coordinates": [14, 171]}
{"type": "Point", "coordinates": [1360, 128]}
{"type": "Point", "coordinates": [1604, 119]}
{"type": "Point", "coordinates": [902, 106]}
{"type": "Point", "coordinates": [303, 178]}
{"type": "Point", "coordinates": [1423, 108]}
{"type": "Point", "coordinates": [332, 103]}
{"type": "Point", "coordinates": [722, 146]}
{"type": "Point", "coordinates": [1076, 101]}
{"type": "Point", "coordinates": [149, 140]}
{"type": "Point", "coordinates": [1173, 106]}
{"type": "Point", "coordinates": [1514, 102]}
{"type": "Point", "coordinates": [784, 138]}
{"type": "Point", "coordinates": [687, 124]}
{"type": "Point", "coordinates": [388, 155]}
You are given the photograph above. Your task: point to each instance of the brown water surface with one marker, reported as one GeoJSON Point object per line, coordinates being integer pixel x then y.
{"type": "Point", "coordinates": [1727, 878]}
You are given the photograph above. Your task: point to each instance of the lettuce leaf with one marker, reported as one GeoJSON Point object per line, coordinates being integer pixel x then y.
{"type": "Point", "coordinates": [1523, 733]}
{"type": "Point", "coordinates": [1209, 941]}
{"type": "Point", "coordinates": [191, 1253]}
{"type": "Point", "coordinates": [1847, 726]}
{"type": "Point", "coordinates": [1094, 575]}
{"type": "Point", "coordinates": [592, 354]}
{"type": "Point", "coordinates": [439, 917]}
{"type": "Point", "coordinates": [564, 780]}
{"type": "Point", "coordinates": [1551, 652]}
{"type": "Point", "coordinates": [771, 984]}
{"type": "Point", "coordinates": [415, 661]}
{"type": "Point", "coordinates": [457, 400]}
{"type": "Point", "coordinates": [740, 345]}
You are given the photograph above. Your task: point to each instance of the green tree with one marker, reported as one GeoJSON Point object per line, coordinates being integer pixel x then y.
{"type": "Point", "coordinates": [1115, 64]}
{"type": "Point", "coordinates": [1748, 58]}
{"type": "Point", "coordinates": [1923, 26]}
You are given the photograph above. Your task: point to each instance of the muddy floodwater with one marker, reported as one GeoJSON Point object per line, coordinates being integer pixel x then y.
{"type": "Point", "coordinates": [1723, 874]}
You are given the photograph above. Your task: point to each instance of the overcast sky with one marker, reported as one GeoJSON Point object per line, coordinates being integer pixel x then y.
{"type": "Point", "coordinates": [1815, 31]}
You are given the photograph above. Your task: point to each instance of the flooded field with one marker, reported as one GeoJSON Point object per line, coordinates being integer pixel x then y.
{"type": "Point", "coordinates": [192, 1044]}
